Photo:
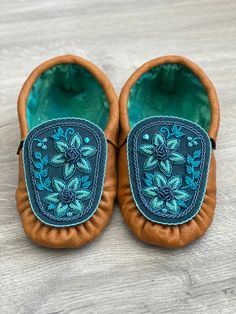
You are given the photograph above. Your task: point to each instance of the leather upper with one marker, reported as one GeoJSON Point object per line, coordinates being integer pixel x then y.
{"type": "Point", "coordinates": [72, 236]}
{"type": "Point", "coordinates": [171, 236]}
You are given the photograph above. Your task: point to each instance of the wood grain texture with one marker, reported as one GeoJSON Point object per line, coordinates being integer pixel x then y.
{"type": "Point", "coordinates": [117, 273]}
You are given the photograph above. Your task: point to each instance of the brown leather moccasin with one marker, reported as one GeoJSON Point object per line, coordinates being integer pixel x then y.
{"type": "Point", "coordinates": [69, 116]}
{"type": "Point", "coordinates": [169, 120]}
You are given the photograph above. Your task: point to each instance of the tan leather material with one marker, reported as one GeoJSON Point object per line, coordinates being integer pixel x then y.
{"type": "Point", "coordinates": [70, 237]}
{"type": "Point", "coordinates": [164, 236]}
{"type": "Point", "coordinates": [148, 231]}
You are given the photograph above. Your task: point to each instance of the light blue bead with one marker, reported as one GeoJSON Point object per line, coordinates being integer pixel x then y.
{"type": "Point", "coordinates": [86, 140]}
{"type": "Point", "coordinates": [146, 137]}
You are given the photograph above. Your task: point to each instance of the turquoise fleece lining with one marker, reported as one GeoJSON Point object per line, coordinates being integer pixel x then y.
{"type": "Point", "coordinates": [67, 90]}
{"type": "Point", "coordinates": [169, 90]}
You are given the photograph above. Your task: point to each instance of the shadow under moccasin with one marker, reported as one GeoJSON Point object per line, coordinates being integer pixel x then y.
{"type": "Point", "coordinates": [68, 115]}
{"type": "Point", "coordinates": [169, 120]}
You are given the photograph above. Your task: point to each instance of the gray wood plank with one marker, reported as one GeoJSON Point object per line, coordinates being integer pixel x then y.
{"type": "Point", "coordinates": [117, 273]}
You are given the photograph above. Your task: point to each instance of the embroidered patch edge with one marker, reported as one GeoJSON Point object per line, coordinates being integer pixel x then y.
{"type": "Point", "coordinates": [207, 169]}
{"type": "Point", "coordinates": [24, 153]}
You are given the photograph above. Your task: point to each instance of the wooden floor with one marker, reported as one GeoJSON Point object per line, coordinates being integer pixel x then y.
{"type": "Point", "coordinates": [117, 273]}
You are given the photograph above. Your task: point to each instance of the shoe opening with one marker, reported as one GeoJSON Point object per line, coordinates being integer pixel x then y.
{"type": "Point", "coordinates": [67, 90]}
{"type": "Point", "coordinates": [169, 90]}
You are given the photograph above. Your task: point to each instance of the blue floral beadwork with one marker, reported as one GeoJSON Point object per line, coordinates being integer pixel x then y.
{"type": "Point", "coordinates": [192, 141]}
{"type": "Point", "coordinates": [165, 194]}
{"type": "Point", "coordinates": [65, 179]}
{"type": "Point", "coordinates": [41, 172]}
{"type": "Point", "coordinates": [67, 198]}
{"type": "Point", "coordinates": [167, 175]}
{"type": "Point", "coordinates": [193, 162]}
{"type": "Point", "coordinates": [73, 154]}
{"type": "Point", "coordinates": [161, 152]}
{"type": "Point", "coordinates": [41, 143]}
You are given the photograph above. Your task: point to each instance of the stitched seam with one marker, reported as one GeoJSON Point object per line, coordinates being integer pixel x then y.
{"type": "Point", "coordinates": [98, 160]}
{"type": "Point", "coordinates": [137, 176]}
{"type": "Point", "coordinates": [34, 181]}
{"type": "Point", "coordinates": [129, 170]}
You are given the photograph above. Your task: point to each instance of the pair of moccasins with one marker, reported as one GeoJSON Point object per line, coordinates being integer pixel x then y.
{"type": "Point", "coordinates": [164, 128]}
